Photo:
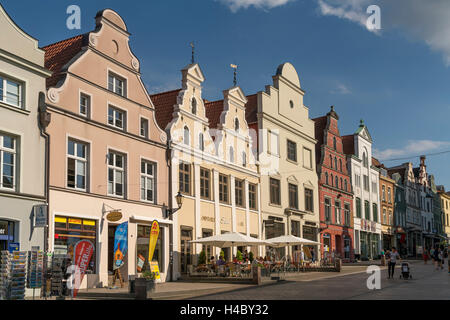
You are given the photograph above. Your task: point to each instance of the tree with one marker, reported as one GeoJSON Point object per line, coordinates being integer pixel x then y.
{"type": "Point", "coordinates": [202, 257]}
{"type": "Point", "coordinates": [239, 255]}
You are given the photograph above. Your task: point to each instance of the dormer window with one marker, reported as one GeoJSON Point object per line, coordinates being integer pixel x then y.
{"type": "Point", "coordinates": [194, 106]}
{"type": "Point", "coordinates": [117, 84]}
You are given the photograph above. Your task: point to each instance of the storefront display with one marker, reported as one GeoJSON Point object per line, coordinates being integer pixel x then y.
{"type": "Point", "coordinates": [142, 248]}
{"type": "Point", "coordinates": [35, 269]}
{"type": "Point", "coordinates": [12, 275]}
{"type": "Point", "coordinates": [69, 231]}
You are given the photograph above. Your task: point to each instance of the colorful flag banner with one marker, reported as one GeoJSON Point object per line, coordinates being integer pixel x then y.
{"type": "Point", "coordinates": [154, 232]}
{"type": "Point", "coordinates": [154, 268]}
{"type": "Point", "coordinates": [83, 253]}
{"type": "Point", "coordinates": [120, 245]}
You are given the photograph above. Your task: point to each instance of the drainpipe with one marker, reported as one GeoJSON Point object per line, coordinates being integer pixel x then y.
{"type": "Point", "coordinates": [44, 119]}
{"type": "Point", "coordinates": [169, 164]}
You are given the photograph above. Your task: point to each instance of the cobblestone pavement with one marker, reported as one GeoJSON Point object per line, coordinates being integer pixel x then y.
{"type": "Point", "coordinates": [427, 283]}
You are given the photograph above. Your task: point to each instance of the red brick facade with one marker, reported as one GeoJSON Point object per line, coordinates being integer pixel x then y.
{"type": "Point", "coordinates": [335, 189]}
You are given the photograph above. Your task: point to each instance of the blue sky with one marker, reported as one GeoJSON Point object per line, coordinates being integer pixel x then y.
{"type": "Point", "coordinates": [396, 79]}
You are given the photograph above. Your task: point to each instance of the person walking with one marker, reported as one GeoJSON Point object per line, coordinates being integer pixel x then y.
{"type": "Point", "coordinates": [425, 256]}
{"type": "Point", "coordinates": [441, 258]}
{"type": "Point", "coordinates": [436, 259]}
{"type": "Point", "coordinates": [393, 257]}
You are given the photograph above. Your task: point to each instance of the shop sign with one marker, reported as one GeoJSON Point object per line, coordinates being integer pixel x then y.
{"type": "Point", "coordinates": [13, 246]}
{"type": "Point", "coordinates": [208, 219]}
{"type": "Point", "coordinates": [120, 245]}
{"type": "Point", "coordinates": [140, 262]}
{"type": "Point", "coordinates": [224, 221]}
{"type": "Point", "coordinates": [155, 269]}
{"type": "Point", "coordinates": [40, 215]}
{"type": "Point", "coordinates": [114, 216]}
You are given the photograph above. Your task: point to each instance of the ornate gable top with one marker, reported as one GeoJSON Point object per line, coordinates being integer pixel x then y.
{"type": "Point", "coordinates": [363, 131]}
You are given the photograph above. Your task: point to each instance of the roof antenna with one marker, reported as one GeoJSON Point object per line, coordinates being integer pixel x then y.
{"type": "Point", "coordinates": [235, 71]}
{"type": "Point", "coordinates": [193, 47]}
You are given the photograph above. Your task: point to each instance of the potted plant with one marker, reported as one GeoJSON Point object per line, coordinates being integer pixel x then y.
{"type": "Point", "coordinates": [250, 256]}
{"type": "Point", "coordinates": [145, 285]}
{"type": "Point", "coordinates": [202, 258]}
{"type": "Point", "coordinates": [239, 255]}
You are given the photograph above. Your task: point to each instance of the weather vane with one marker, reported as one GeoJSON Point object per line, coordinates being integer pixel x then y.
{"type": "Point", "coordinates": [235, 71]}
{"type": "Point", "coordinates": [193, 47]}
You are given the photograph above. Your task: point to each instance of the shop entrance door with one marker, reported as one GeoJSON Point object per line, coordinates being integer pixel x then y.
{"type": "Point", "coordinates": [338, 244]}
{"type": "Point", "coordinates": [111, 233]}
{"type": "Point", "coordinates": [186, 249]}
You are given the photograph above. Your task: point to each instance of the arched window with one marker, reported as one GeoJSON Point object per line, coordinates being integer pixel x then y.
{"type": "Point", "coordinates": [336, 182]}
{"type": "Point", "coordinates": [201, 142]}
{"type": "Point", "coordinates": [335, 163]}
{"type": "Point", "coordinates": [346, 185]}
{"type": "Point", "coordinates": [331, 161]}
{"type": "Point", "coordinates": [186, 136]}
{"type": "Point", "coordinates": [340, 165]}
{"type": "Point", "coordinates": [342, 186]}
{"type": "Point", "coordinates": [236, 125]}
{"type": "Point", "coordinates": [231, 154]}
{"type": "Point", "coordinates": [244, 159]}
{"type": "Point", "coordinates": [331, 180]}
{"type": "Point", "coordinates": [365, 160]}
{"type": "Point", "coordinates": [194, 106]}
{"type": "Point", "coordinates": [326, 177]}
{"type": "Point", "coordinates": [334, 143]}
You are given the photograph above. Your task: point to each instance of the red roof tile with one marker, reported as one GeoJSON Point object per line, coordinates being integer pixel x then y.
{"type": "Point", "coordinates": [164, 103]}
{"type": "Point", "coordinates": [58, 54]}
{"type": "Point", "coordinates": [348, 144]}
{"type": "Point", "coordinates": [213, 111]}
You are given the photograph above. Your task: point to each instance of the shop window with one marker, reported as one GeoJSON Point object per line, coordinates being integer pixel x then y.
{"type": "Point", "coordinates": [142, 247]}
{"type": "Point", "coordinates": [69, 230]}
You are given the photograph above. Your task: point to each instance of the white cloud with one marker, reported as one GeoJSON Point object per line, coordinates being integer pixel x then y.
{"type": "Point", "coordinates": [427, 21]}
{"type": "Point", "coordinates": [341, 89]}
{"type": "Point", "coordinates": [235, 5]}
{"type": "Point", "coordinates": [412, 148]}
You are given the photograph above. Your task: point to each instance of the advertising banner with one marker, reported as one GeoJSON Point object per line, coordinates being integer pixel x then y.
{"type": "Point", "coordinates": [155, 269]}
{"type": "Point", "coordinates": [154, 232]}
{"type": "Point", "coordinates": [83, 251]}
{"type": "Point", "coordinates": [120, 245]}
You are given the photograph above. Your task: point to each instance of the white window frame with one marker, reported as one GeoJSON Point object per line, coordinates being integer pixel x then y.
{"type": "Point", "coordinates": [3, 95]}
{"type": "Point", "coordinates": [88, 106]}
{"type": "Point", "coordinates": [144, 180]}
{"type": "Point", "coordinates": [14, 153]}
{"type": "Point", "coordinates": [146, 135]}
{"type": "Point", "coordinates": [115, 78]}
{"type": "Point", "coordinates": [116, 169]}
{"type": "Point", "coordinates": [77, 159]}
{"type": "Point", "coordinates": [124, 117]}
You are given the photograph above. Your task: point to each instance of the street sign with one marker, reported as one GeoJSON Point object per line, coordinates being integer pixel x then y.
{"type": "Point", "coordinates": [40, 215]}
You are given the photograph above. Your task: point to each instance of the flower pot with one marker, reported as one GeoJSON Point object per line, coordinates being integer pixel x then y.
{"type": "Point", "coordinates": [143, 288]}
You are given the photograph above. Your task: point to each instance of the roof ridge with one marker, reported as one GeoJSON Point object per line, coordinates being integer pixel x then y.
{"type": "Point", "coordinates": [61, 41]}
{"type": "Point", "coordinates": [165, 92]}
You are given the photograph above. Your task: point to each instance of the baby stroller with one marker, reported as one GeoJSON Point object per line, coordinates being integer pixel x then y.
{"type": "Point", "coordinates": [405, 269]}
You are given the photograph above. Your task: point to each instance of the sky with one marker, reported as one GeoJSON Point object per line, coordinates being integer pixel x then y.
{"type": "Point", "coordinates": [396, 78]}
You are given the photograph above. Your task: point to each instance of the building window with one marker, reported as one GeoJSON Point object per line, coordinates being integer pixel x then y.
{"type": "Point", "coordinates": [357, 180]}
{"type": "Point", "coordinates": [389, 195]}
{"type": "Point", "coordinates": [239, 192]}
{"type": "Point", "coordinates": [336, 180]}
{"type": "Point", "coordinates": [223, 188]}
{"type": "Point", "coordinates": [358, 207]}
{"type": "Point", "coordinates": [117, 84]}
{"type": "Point", "coordinates": [77, 161]}
{"type": "Point", "coordinates": [291, 104]}
{"type": "Point", "coordinates": [148, 177]}
{"type": "Point", "coordinates": [293, 196]}
{"type": "Point", "coordinates": [335, 163]}
{"type": "Point", "coordinates": [345, 185]}
{"type": "Point", "coordinates": [309, 200]}
{"type": "Point", "coordinates": [342, 186]}
{"type": "Point", "coordinates": [116, 117]}
{"type": "Point", "coordinates": [367, 209]}
{"type": "Point", "coordinates": [236, 124]}
{"type": "Point", "coordinates": [186, 136]}
{"type": "Point", "coordinates": [244, 159]}
{"type": "Point", "coordinates": [384, 216]}
{"type": "Point", "coordinates": [273, 146]}
{"type": "Point", "coordinates": [185, 178]}
{"type": "Point", "coordinates": [252, 198]}
{"type": "Point", "coordinates": [292, 150]}
{"type": "Point", "coordinates": [68, 231]}
{"type": "Point", "coordinates": [327, 210]}
{"type": "Point", "coordinates": [340, 165]}
{"type": "Point", "coordinates": [10, 92]}
{"type": "Point", "coordinates": [116, 174]}
{"type": "Point", "coordinates": [326, 177]}
{"type": "Point", "coordinates": [194, 106]}
{"type": "Point", "coordinates": [375, 212]}
{"type": "Point", "coordinates": [331, 180]}
{"type": "Point", "coordinates": [337, 212]}
{"type": "Point", "coordinates": [201, 142]}
{"type": "Point", "coordinates": [334, 143]}
{"type": "Point", "coordinates": [8, 158]}
{"type": "Point", "coordinates": [366, 182]}
{"type": "Point", "coordinates": [85, 105]}
{"type": "Point", "coordinates": [365, 160]}
{"type": "Point", "coordinates": [307, 158]}
{"type": "Point", "coordinates": [331, 162]}
{"type": "Point", "coordinates": [347, 214]}
{"type": "Point", "coordinates": [383, 193]}
{"type": "Point", "coordinates": [275, 196]}
{"type": "Point", "coordinates": [231, 155]}
{"type": "Point", "coordinates": [144, 128]}
{"type": "Point", "coordinates": [374, 187]}
{"type": "Point", "coordinates": [205, 183]}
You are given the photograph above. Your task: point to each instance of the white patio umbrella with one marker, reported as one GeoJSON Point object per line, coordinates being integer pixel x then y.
{"type": "Point", "coordinates": [230, 239]}
{"type": "Point", "coordinates": [290, 240]}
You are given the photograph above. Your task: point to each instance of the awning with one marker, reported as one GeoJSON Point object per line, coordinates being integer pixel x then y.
{"type": "Point", "coordinates": [150, 219]}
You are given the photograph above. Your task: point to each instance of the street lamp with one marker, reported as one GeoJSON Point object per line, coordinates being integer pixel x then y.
{"type": "Point", "coordinates": [170, 211]}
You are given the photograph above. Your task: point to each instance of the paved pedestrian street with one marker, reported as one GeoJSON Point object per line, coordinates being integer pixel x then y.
{"type": "Point", "coordinates": [427, 283]}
